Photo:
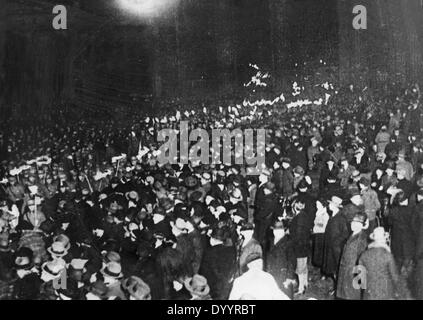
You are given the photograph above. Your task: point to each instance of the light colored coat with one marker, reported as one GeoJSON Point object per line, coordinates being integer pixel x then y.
{"type": "Point", "coordinates": [258, 285]}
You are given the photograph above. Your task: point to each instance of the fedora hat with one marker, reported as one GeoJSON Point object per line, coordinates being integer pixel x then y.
{"type": "Point", "coordinates": [63, 239]}
{"type": "Point", "coordinates": [197, 285]}
{"type": "Point", "coordinates": [355, 174]}
{"type": "Point", "coordinates": [236, 194]}
{"type": "Point", "coordinates": [54, 267]}
{"type": "Point", "coordinates": [299, 170]}
{"type": "Point", "coordinates": [23, 258]}
{"type": "Point", "coordinates": [57, 249]}
{"type": "Point", "coordinates": [111, 256]}
{"type": "Point", "coordinates": [337, 201]}
{"type": "Point", "coordinates": [78, 264]}
{"type": "Point", "coordinates": [132, 195]}
{"type": "Point", "coordinates": [112, 270]}
{"type": "Point", "coordinates": [99, 289]}
{"type": "Point", "coordinates": [206, 176]}
{"type": "Point", "coordinates": [136, 288]}
{"type": "Point", "coordinates": [360, 217]}
{"type": "Point", "coordinates": [253, 256]}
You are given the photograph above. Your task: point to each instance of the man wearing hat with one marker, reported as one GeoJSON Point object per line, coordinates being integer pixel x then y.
{"type": "Point", "coordinates": [298, 155]}
{"type": "Point", "coordinates": [255, 283]}
{"type": "Point", "coordinates": [161, 222]}
{"type": "Point", "coordinates": [219, 264]}
{"type": "Point", "coordinates": [304, 195]}
{"type": "Point", "coordinates": [247, 245]}
{"type": "Point", "coordinates": [188, 242]}
{"type": "Point", "coordinates": [300, 239]}
{"type": "Point", "coordinates": [361, 160]}
{"type": "Point", "coordinates": [332, 187]}
{"type": "Point", "coordinates": [403, 241]}
{"type": "Point", "coordinates": [354, 247]}
{"type": "Point", "coordinates": [97, 291]}
{"type": "Point", "coordinates": [236, 204]}
{"type": "Point", "coordinates": [279, 262]}
{"type": "Point", "coordinates": [112, 275]}
{"type": "Point", "coordinates": [345, 172]}
{"type": "Point", "coordinates": [382, 139]}
{"type": "Point", "coordinates": [284, 178]}
{"type": "Point", "coordinates": [135, 288]}
{"type": "Point", "coordinates": [58, 250]}
{"type": "Point", "coordinates": [403, 183]}
{"type": "Point", "coordinates": [329, 169]}
{"type": "Point", "coordinates": [404, 165]}
{"type": "Point", "coordinates": [266, 208]}
{"type": "Point", "coordinates": [370, 201]}
{"type": "Point", "coordinates": [382, 276]}
{"type": "Point", "coordinates": [312, 153]}
{"type": "Point", "coordinates": [336, 234]}
{"type": "Point", "coordinates": [198, 287]}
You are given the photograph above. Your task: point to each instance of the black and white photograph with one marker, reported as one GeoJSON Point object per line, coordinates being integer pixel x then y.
{"type": "Point", "coordinates": [211, 150]}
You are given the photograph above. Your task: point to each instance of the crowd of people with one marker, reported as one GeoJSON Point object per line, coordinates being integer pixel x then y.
{"type": "Point", "coordinates": [87, 214]}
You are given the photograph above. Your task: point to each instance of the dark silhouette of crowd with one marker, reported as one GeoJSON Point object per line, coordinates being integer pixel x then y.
{"type": "Point", "coordinates": [86, 214]}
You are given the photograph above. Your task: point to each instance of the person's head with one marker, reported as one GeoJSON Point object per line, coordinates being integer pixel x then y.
{"type": "Point", "coordinates": [401, 198]}
{"type": "Point", "coordinates": [364, 183]}
{"type": "Point", "coordinates": [359, 222]}
{"type": "Point", "coordinates": [335, 203]}
{"type": "Point", "coordinates": [379, 172]}
{"type": "Point", "coordinates": [12, 180]}
{"type": "Point", "coordinates": [278, 229]}
{"type": "Point", "coordinates": [136, 289]}
{"type": "Point", "coordinates": [235, 196]}
{"type": "Point", "coordinates": [298, 171]}
{"type": "Point", "coordinates": [401, 174]}
{"type": "Point", "coordinates": [179, 226]}
{"type": "Point", "coordinates": [264, 176]}
{"type": "Point", "coordinates": [247, 231]}
{"type": "Point", "coordinates": [379, 236]}
{"type": "Point", "coordinates": [218, 235]}
{"type": "Point", "coordinates": [356, 199]}
{"type": "Point", "coordinates": [158, 215]}
{"type": "Point", "coordinates": [254, 261]}
{"type": "Point", "coordinates": [31, 205]}
{"type": "Point", "coordinates": [298, 206]}
{"type": "Point", "coordinates": [286, 163]}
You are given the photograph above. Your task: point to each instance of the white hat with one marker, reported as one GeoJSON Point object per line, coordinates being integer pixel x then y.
{"type": "Point", "coordinates": [337, 201]}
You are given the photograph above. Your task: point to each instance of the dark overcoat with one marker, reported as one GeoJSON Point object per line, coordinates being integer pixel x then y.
{"type": "Point", "coordinates": [336, 235]}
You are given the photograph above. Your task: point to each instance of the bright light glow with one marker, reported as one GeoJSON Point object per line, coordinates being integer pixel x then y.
{"type": "Point", "coordinates": [145, 8]}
